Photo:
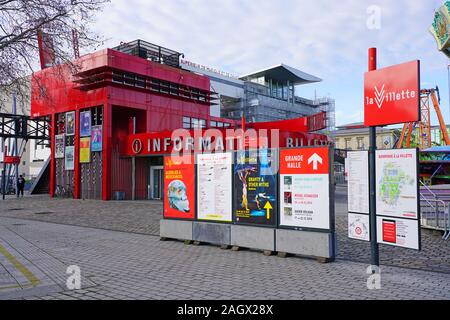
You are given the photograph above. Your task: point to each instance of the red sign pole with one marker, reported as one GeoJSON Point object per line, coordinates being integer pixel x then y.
{"type": "Point", "coordinates": [375, 255]}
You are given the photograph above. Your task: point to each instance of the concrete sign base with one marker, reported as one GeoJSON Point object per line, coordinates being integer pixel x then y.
{"type": "Point", "coordinates": [213, 233]}
{"type": "Point", "coordinates": [253, 237]}
{"type": "Point", "coordinates": [176, 229]}
{"type": "Point", "coordinates": [311, 244]}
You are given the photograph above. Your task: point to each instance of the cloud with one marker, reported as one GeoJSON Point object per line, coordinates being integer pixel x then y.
{"type": "Point", "coordinates": [322, 37]}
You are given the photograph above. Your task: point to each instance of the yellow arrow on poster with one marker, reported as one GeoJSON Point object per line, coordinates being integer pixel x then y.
{"type": "Point", "coordinates": [268, 207]}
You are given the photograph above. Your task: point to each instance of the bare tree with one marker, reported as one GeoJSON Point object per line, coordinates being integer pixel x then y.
{"type": "Point", "coordinates": [20, 23]}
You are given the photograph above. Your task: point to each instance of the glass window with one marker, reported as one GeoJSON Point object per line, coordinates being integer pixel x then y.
{"type": "Point", "coordinates": [129, 79]}
{"type": "Point", "coordinates": [226, 125]}
{"type": "Point", "coordinates": [186, 123]}
{"type": "Point", "coordinates": [213, 124]}
{"type": "Point", "coordinates": [140, 82]}
{"type": "Point", "coordinates": [194, 123]}
{"type": "Point", "coordinates": [202, 123]}
{"type": "Point", "coordinates": [360, 143]}
{"type": "Point", "coordinates": [117, 77]}
{"type": "Point", "coordinates": [348, 144]}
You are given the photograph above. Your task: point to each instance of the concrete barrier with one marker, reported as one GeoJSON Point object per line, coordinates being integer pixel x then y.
{"type": "Point", "coordinates": [213, 233]}
{"type": "Point", "coordinates": [253, 237]}
{"type": "Point", "coordinates": [176, 229]}
{"type": "Point", "coordinates": [305, 243]}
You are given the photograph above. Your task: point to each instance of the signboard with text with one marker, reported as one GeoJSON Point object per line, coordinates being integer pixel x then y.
{"type": "Point", "coordinates": [305, 188]}
{"type": "Point", "coordinates": [358, 181]}
{"type": "Point", "coordinates": [359, 226]}
{"type": "Point", "coordinates": [396, 184]}
{"type": "Point", "coordinates": [392, 95]}
{"type": "Point", "coordinates": [398, 232]}
{"type": "Point", "coordinates": [214, 187]}
{"type": "Point", "coordinates": [397, 194]}
{"type": "Point", "coordinates": [179, 188]}
{"type": "Point", "coordinates": [255, 187]}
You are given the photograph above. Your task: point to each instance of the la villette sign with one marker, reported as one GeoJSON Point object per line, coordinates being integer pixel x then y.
{"type": "Point", "coordinates": [392, 95]}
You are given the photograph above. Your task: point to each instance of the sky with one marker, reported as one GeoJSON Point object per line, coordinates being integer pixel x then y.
{"type": "Point", "coordinates": [325, 38]}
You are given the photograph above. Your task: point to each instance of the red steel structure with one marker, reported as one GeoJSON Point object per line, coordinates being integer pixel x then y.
{"type": "Point", "coordinates": [131, 96]}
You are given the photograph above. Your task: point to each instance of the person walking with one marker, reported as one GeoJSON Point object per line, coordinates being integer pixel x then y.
{"type": "Point", "coordinates": [20, 185]}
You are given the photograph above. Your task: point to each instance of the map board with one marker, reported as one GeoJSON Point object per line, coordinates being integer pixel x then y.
{"type": "Point", "coordinates": [396, 183]}
{"type": "Point", "coordinates": [397, 195]}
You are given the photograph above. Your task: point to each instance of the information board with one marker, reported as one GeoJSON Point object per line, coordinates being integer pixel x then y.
{"type": "Point", "coordinates": [398, 232]}
{"type": "Point", "coordinates": [359, 226]}
{"type": "Point", "coordinates": [396, 184]}
{"type": "Point", "coordinates": [255, 187]}
{"type": "Point", "coordinates": [214, 187]}
{"type": "Point", "coordinates": [305, 188]}
{"type": "Point", "coordinates": [179, 187]}
{"type": "Point", "coordinates": [358, 181]}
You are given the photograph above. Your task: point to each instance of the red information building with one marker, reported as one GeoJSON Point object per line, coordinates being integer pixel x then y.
{"type": "Point", "coordinates": [112, 115]}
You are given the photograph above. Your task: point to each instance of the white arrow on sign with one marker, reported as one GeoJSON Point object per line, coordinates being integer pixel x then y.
{"type": "Point", "coordinates": [315, 159]}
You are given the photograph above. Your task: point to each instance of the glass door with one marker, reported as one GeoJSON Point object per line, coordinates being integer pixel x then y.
{"type": "Point", "coordinates": [156, 183]}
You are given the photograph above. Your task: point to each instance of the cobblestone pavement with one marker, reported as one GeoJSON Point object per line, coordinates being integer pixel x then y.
{"type": "Point", "coordinates": [143, 217]}
{"type": "Point", "coordinates": [119, 265]}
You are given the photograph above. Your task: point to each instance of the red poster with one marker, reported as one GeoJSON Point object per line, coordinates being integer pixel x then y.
{"type": "Point", "coordinates": [304, 161]}
{"type": "Point", "coordinates": [179, 187]}
{"type": "Point", "coordinates": [389, 231]}
{"type": "Point", "coordinates": [392, 94]}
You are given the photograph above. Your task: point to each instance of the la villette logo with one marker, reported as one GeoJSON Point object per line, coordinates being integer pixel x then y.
{"type": "Point", "coordinates": [381, 95]}
{"type": "Point", "coordinates": [136, 146]}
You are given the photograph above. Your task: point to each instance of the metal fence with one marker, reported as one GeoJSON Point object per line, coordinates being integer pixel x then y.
{"type": "Point", "coordinates": [435, 211]}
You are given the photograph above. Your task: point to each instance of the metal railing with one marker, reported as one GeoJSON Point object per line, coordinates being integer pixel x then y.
{"type": "Point", "coordinates": [435, 211]}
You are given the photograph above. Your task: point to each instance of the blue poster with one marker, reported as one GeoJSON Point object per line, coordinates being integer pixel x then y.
{"type": "Point", "coordinates": [85, 124]}
{"type": "Point", "coordinates": [255, 185]}
{"type": "Point", "coordinates": [96, 139]}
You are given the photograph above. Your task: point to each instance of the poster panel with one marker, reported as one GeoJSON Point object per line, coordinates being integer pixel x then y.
{"type": "Point", "coordinates": [358, 181]}
{"type": "Point", "coordinates": [255, 186]}
{"type": "Point", "coordinates": [396, 183]}
{"type": "Point", "coordinates": [85, 150]}
{"type": "Point", "coordinates": [96, 139]}
{"type": "Point", "coordinates": [359, 226]}
{"type": "Point", "coordinates": [85, 124]}
{"type": "Point", "coordinates": [60, 144]}
{"type": "Point", "coordinates": [69, 158]}
{"type": "Point", "coordinates": [398, 232]}
{"type": "Point", "coordinates": [179, 185]}
{"type": "Point", "coordinates": [305, 188]}
{"type": "Point", "coordinates": [214, 187]}
{"type": "Point", "coordinates": [70, 123]}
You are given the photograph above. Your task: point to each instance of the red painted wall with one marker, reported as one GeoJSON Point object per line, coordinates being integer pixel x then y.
{"type": "Point", "coordinates": [55, 90]}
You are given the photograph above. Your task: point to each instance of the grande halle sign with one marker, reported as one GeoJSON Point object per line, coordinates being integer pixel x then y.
{"type": "Point", "coordinates": [392, 95]}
